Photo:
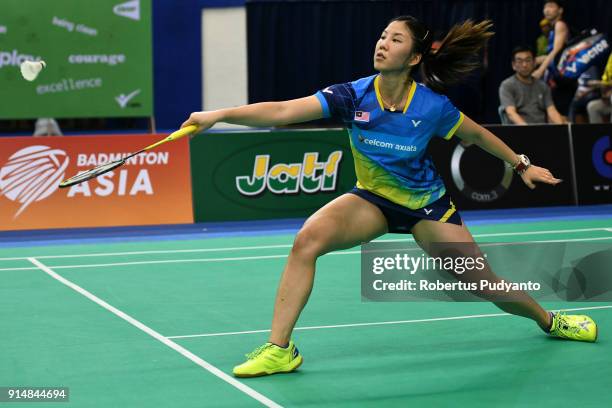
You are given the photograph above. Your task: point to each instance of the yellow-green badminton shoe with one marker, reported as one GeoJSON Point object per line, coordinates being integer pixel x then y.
{"type": "Point", "coordinates": [269, 359]}
{"type": "Point", "coordinates": [573, 327]}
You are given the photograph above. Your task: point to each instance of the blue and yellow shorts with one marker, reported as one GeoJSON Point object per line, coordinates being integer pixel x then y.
{"type": "Point", "coordinates": [400, 220]}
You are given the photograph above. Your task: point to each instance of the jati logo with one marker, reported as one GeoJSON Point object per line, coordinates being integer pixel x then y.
{"type": "Point", "coordinates": [309, 176]}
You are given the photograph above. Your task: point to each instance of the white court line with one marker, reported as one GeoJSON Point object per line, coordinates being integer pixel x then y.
{"type": "Point", "coordinates": [169, 251]}
{"type": "Point", "coordinates": [572, 240]}
{"type": "Point", "coordinates": [18, 269]}
{"type": "Point", "coordinates": [222, 249]}
{"type": "Point", "coordinates": [336, 326]}
{"type": "Point", "coordinates": [181, 350]}
{"type": "Point", "coordinates": [251, 258]}
{"type": "Point", "coordinates": [519, 233]}
{"type": "Point", "coordinates": [165, 261]}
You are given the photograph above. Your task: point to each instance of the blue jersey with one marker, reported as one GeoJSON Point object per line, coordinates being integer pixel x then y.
{"type": "Point", "coordinates": [389, 148]}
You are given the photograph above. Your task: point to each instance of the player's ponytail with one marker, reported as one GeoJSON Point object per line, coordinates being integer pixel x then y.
{"type": "Point", "coordinates": [456, 56]}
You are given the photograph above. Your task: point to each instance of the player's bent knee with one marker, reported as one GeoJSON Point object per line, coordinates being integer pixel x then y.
{"type": "Point", "coordinates": [311, 242]}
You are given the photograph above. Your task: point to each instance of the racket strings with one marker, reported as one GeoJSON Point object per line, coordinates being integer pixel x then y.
{"type": "Point", "coordinates": [91, 173]}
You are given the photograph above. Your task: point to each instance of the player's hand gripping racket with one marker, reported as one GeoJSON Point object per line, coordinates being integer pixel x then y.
{"type": "Point", "coordinates": [105, 168]}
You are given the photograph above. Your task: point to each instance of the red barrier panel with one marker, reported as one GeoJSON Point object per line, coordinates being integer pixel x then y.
{"type": "Point", "coordinates": [151, 188]}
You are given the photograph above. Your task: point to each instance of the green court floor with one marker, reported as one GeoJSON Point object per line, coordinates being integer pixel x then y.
{"type": "Point", "coordinates": [178, 315]}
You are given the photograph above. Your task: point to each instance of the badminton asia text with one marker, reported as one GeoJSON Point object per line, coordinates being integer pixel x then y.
{"type": "Point", "coordinates": [309, 176]}
{"type": "Point", "coordinates": [119, 182]}
{"type": "Point", "coordinates": [150, 158]}
{"type": "Point", "coordinates": [411, 264]}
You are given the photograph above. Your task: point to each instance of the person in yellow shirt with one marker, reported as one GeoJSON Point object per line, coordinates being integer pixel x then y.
{"type": "Point", "coordinates": [542, 40]}
{"type": "Point", "coordinates": [600, 109]}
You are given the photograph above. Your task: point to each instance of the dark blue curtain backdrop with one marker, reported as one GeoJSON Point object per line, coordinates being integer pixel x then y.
{"type": "Point", "coordinates": [298, 47]}
{"type": "Point", "coordinates": [177, 60]}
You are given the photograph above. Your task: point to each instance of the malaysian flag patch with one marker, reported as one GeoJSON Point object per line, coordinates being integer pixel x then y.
{"type": "Point", "coordinates": [362, 116]}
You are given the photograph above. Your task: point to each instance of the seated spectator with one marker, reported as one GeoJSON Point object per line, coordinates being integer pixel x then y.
{"type": "Point", "coordinates": [585, 93]}
{"type": "Point", "coordinates": [525, 99]}
{"type": "Point", "coordinates": [599, 110]}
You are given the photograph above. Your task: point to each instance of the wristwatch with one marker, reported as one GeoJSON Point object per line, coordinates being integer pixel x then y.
{"type": "Point", "coordinates": [523, 164]}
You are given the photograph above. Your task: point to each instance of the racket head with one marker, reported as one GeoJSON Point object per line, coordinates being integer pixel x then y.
{"type": "Point", "coordinates": [91, 173]}
{"type": "Point", "coordinates": [105, 168]}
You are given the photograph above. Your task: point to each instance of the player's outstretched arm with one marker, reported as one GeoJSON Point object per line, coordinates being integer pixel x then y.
{"type": "Point", "coordinates": [260, 114]}
{"type": "Point", "coordinates": [472, 132]}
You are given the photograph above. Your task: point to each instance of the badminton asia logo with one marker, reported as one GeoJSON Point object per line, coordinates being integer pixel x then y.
{"type": "Point", "coordinates": [32, 174]}
{"type": "Point", "coordinates": [310, 176]}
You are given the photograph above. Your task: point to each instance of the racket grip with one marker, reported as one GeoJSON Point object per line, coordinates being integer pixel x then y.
{"type": "Point", "coordinates": [174, 135]}
{"type": "Point", "coordinates": [187, 130]}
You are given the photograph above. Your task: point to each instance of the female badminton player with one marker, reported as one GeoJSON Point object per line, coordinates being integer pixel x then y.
{"type": "Point", "coordinates": [397, 190]}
